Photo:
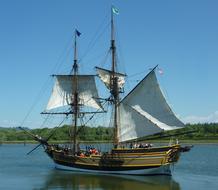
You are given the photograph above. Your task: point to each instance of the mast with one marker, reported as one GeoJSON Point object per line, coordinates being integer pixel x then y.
{"type": "Point", "coordinates": [74, 106]}
{"type": "Point", "coordinates": [114, 81]}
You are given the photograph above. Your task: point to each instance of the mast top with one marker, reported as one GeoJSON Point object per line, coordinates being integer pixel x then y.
{"type": "Point", "coordinates": [75, 65]}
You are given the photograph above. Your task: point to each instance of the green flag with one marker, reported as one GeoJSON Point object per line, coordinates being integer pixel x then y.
{"type": "Point", "coordinates": [115, 10]}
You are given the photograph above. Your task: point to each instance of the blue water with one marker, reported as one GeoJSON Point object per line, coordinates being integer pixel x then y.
{"type": "Point", "coordinates": [197, 170]}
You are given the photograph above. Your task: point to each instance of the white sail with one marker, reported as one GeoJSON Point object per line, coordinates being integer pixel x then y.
{"type": "Point", "coordinates": [62, 93]}
{"type": "Point", "coordinates": [144, 111]}
{"type": "Point", "coordinates": [105, 76]}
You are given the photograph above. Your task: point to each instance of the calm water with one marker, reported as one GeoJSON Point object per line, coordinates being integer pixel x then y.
{"type": "Point", "coordinates": [197, 170]}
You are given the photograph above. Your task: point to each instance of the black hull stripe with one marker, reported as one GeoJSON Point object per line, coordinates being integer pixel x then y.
{"type": "Point", "coordinates": [103, 168]}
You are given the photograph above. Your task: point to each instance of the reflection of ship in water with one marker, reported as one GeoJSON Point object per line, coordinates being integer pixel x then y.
{"type": "Point", "coordinates": [65, 180]}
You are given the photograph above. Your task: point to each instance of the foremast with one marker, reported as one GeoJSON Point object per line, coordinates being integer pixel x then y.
{"type": "Point", "coordinates": [75, 101]}
{"type": "Point", "coordinates": [75, 109]}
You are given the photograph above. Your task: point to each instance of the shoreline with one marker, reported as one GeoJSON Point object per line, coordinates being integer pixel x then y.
{"type": "Point", "coordinates": [200, 141]}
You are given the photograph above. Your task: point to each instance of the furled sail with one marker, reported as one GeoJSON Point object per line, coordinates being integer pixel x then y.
{"type": "Point", "coordinates": [144, 111]}
{"type": "Point", "coordinates": [62, 93]}
{"type": "Point", "coordinates": [105, 76]}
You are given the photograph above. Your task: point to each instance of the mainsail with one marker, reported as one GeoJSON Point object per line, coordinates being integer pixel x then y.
{"type": "Point", "coordinates": [144, 111]}
{"type": "Point", "coordinates": [62, 93]}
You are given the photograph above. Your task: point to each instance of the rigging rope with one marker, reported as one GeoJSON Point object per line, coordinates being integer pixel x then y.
{"type": "Point", "coordinates": [40, 94]}
{"type": "Point", "coordinates": [94, 39]}
{"type": "Point", "coordinates": [89, 119]}
{"type": "Point", "coordinates": [54, 130]}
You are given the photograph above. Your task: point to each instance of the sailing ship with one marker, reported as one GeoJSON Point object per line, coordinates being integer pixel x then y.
{"type": "Point", "coordinates": [142, 112]}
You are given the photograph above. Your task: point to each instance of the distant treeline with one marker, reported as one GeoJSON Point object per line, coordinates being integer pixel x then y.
{"type": "Point", "coordinates": [202, 132]}
{"type": "Point", "coordinates": [85, 133]}
{"type": "Point", "coordinates": [207, 131]}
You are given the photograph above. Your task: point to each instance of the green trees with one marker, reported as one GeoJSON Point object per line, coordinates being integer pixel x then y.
{"type": "Point", "coordinates": [85, 133]}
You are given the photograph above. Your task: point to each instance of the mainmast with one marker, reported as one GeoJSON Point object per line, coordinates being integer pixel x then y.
{"type": "Point", "coordinates": [114, 81]}
{"type": "Point", "coordinates": [75, 101]}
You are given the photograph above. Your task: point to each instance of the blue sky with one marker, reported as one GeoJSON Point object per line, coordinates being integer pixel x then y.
{"type": "Point", "coordinates": [180, 36]}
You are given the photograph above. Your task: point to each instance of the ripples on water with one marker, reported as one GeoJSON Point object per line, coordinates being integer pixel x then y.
{"type": "Point", "coordinates": [197, 169]}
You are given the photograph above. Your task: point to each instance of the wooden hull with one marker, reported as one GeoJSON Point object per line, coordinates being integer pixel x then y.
{"type": "Point", "coordinates": [145, 161]}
